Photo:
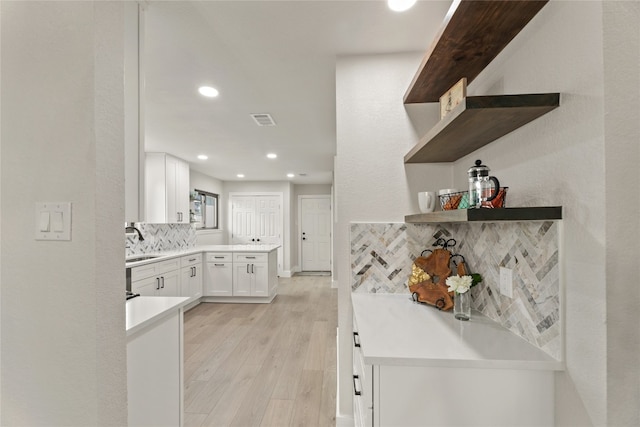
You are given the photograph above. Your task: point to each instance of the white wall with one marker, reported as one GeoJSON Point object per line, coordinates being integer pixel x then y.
{"type": "Point", "coordinates": [374, 132]}
{"type": "Point", "coordinates": [582, 156]}
{"type": "Point", "coordinates": [622, 198]}
{"type": "Point", "coordinates": [559, 159]}
{"type": "Point", "coordinates": [63, 319]}
{"type": "Point", "coordinates": [286, 188]}
{"type": "Point", "coordinates": [204, 182]}
{"type": "Point", "coordinates": [302, 190]}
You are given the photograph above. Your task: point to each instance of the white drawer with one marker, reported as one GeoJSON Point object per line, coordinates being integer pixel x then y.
{"type": "Point", "coordinates": [154, 269]}
{"type": "Point", "coordinates": [218, 256]}
{"type": "Point", "coordinates": [189, 260]}
{"type": "Point", "coordinates": [250, 257]}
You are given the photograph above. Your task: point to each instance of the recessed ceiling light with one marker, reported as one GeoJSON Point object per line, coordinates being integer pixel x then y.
{"type": "Point", "coordinates": [290, 175]}
{"type": "Point", "coordinates": [208, 91]}
{"type": "Point", "coordinates": [400, 5]}
{"type": "Point", "coordinates": [240, 175]}
{"type": "Point", "coordinates": [272, 155]}
{"type": "Point", "coordinates": [203, 156]}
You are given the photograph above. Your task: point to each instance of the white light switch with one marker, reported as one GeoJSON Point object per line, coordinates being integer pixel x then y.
{"type": "Point", "coordinates": [57, 223]}
{"type": "Point", "coordinates": [44, 221]}
{"type": "Point", "coordinates": [53, 221]}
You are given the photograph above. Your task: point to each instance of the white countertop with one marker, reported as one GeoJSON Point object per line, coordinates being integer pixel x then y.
{"type": "Point", "coordinates": [163, 256]}
{"type": "Point", "coordinates": [144, 311]}
{"type": "Point", "coordinates": [394, 330]}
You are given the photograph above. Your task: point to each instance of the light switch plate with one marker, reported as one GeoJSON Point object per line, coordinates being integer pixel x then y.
{"type": "Point", "coordinates": [506, 282]}
{"type": "Point", "coordinates": [53, 221]}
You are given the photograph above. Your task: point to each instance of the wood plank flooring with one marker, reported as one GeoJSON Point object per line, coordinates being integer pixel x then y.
{"type": "Point", "coordinates": [264, 364]}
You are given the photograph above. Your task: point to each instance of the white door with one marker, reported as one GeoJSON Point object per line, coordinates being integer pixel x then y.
{"type": "Point", "coordinates": [315, 233]}
{"type": "Point", "coordinates": [257, 218]}
{"type": "Point", "coordinates": [267, 219]}
{"type": "Point", "coordinates": [243, 211]}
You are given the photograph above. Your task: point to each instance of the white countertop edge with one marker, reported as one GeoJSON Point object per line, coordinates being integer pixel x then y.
{"type": "Point", "coordinates": [529, 365]}
{"type": "Point", "coordinates": [164, 256]}
{"type": "Point", "coordinates": [142, 311]}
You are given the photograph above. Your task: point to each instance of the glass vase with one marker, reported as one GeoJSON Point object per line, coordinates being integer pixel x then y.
{"type": "Point", "coordinates": [462, 306]}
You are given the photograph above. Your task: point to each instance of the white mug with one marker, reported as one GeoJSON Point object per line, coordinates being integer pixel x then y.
{"type": "Point", "coordinates": [427, 201]}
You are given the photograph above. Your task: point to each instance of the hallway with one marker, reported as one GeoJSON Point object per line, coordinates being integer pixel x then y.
{"type": "Point", "coordinates": [264, 364]}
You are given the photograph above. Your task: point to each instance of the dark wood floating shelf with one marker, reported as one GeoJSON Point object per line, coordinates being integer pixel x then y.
{"type": "Point", "coordinates": [544, 213]}
{"type": "Point", "coordinates": [477, 121]}
{"type": "Point", "coordinates": [473, 33]}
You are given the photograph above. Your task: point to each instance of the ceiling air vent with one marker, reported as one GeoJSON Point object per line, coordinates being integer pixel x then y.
{"type": "Point", "coordinates": [263, 119]}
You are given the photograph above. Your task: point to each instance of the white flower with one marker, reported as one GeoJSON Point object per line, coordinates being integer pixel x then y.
{"type": "Point", "coordinates": [458, 284]}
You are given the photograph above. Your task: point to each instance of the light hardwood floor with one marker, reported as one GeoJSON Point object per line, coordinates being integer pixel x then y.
{"type": "Point", "coordinates": [264, 364]}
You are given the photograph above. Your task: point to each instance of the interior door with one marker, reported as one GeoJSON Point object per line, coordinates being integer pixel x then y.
{"type": "Point", "coordinates": [268, 219]}
{"type": "Point", "coordinates": [315, 229]}
{"type": "Point", "coordinates": [243, 211]}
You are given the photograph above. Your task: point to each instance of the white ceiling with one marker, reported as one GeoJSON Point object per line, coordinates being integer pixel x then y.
{"type": "Point", "coordinates": [275, 57]}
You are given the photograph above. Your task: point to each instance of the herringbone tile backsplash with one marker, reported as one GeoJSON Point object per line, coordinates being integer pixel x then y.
{"type": "Point", "coordinates": [382, 254]}
{"type": "Point", "coordinates": [160, 238]}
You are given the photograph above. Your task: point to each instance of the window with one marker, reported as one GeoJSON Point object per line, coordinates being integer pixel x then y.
{"type": "Point", "coordinates": [204, 209]}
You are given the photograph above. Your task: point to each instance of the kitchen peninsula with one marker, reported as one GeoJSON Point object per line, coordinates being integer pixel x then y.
{"type": "Point", "coordinates": [155, 359]}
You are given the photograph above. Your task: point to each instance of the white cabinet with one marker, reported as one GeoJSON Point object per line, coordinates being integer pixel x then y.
{"type": "Point", "coordinates": [192, 277]}
{"type": "Point", "coordinates": [362, 387]}
{"type": "Point", "coordinates": [241, 277]}
{"type": "Point", "coordinates": [158, 278]}
{"type": "Point", "coordinates": [421, 361]}
{"type": "Point", "coordinates": [219, 279]}
{"type": "Point", "coordinates": [166, 189]}
{"type": "Point", "coordinates": [250, 275]}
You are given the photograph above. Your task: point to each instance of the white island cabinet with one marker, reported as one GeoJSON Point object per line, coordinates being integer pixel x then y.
{"type": "Point", "coordinates": [417, 366]}
{"type": "Point", "coordinates": [241, 273]}
{"type": "Point", "coordinates": [155, 360]}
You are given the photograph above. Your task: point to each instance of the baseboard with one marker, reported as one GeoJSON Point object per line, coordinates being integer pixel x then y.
{"type": "Point", "coordinates": [334, 284]}
{"type": "Point", "coordinates": [344, 421]}
{"type": "Point", "coordinates": [286, 273]}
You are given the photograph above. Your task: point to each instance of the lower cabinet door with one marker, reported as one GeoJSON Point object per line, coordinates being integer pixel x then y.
{"type": "Point", "coordinates": [242, 278]}
{"type": "Point", "coordinates": [260, 274]}
{"type": "Point", "coordinates": [170, 284]}
{"type": "Point", "coordinates": [195, 284]}
{"type": "Point", "coordinates": [146, 287]}
{"type": "Point", "coordinates": [219, 280]}
{"type": "Point", "coordinates": [185, 281]}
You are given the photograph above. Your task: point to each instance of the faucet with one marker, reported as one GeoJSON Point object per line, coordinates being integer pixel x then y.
{"type": "Point", "coordinates": [132, 228]}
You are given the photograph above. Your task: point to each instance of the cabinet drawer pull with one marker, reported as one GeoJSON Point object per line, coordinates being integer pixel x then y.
{"type": "Point", "coordinates": [250, 257]}
{"type": "Point", "coordinates": [356, 339]}
{"type": "Point", "coordinates": [192, 259]}
{"type": "Point", "coordinates": [219, 265]}
{"type": "Point", "coordinates": [355, 386]}
{"type": "Point", "coordinates": [218, 257]}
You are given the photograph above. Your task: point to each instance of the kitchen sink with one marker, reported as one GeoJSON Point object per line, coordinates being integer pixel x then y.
{"type": "Point", "coordinates": [141, 258]}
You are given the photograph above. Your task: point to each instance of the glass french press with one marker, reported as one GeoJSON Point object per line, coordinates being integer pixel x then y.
{"type": "Point", "coordinates": [480, 188]}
